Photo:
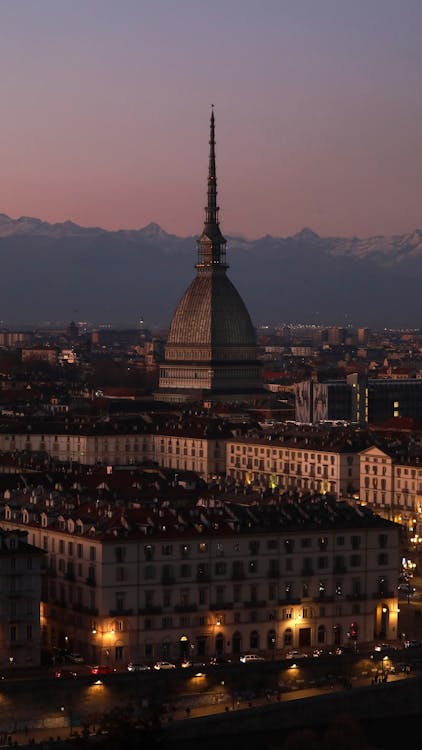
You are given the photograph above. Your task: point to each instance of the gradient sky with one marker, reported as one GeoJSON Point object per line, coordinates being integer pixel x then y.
{"type": "Point", "coordinates": [105, 109]}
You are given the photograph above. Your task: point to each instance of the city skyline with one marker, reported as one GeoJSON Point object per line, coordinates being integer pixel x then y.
{"type": "Point", "coordinates": [316, 109]}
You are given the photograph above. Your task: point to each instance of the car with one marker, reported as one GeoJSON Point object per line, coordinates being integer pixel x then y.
{"type": "Point", "coordinates": [219, 661]}
{"type": "Point", "coordinates": [63, 673]}
{"type": "Point", "coordinates": [406, 589]}
{"type": "Point", "coordinates": [75, 658]}
{"type": "Point", "coordinates": [251, 658]}
{"type": "Point", "coordinates": [134, 667]}
{"type": "Point", "coordinates": [102, 669]}
{"type": "Point", "coordinates": [384, 648]}
{"type": "Point", "coordinates": [412, 644]}
{"type": "Point", "coordinates": [294, 654]}
{"type": "Point", "coordinates": [164, 665]}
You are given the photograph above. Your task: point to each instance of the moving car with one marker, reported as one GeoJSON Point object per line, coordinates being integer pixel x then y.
{"type": "Point", "coordinates": [103, 669]}
{"type": "Point", "coordinates": [251, 658]}
{"type": "Point", "coordinates": [164, 665]}
{"type": "Point", "coordinates": [134, 667]}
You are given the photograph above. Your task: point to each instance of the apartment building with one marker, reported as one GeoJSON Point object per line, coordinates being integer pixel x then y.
{"type": "Point", "coordinates": [316, 463]}
{"type": "Point", "coordinates": [185, 446]}
{"type": "Point", "coordinates": [142, 583]}
{"type": "Point", "coordinates": [20, 596]}
{"type": "Point", "coordinates": [391, 483]}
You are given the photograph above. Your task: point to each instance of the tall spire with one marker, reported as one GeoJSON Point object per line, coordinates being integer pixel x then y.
{"type": "Point", "coordinates": [211, 244]}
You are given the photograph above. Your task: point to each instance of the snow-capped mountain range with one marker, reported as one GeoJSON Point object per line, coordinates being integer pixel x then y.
{"type": "Point", "coordinates": [64, 270]}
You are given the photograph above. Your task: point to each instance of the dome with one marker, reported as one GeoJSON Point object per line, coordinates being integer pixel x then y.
{"type": "Point", "coordinates": [212, 313]}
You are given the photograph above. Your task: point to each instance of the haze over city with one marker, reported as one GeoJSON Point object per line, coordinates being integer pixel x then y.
{"type": "Point", "coordinates": [105, 111]}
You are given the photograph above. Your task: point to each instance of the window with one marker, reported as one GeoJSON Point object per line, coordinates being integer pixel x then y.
{"type": "Point", "coordinates": [220, 568]}
{"type": "Point", "coordinates": [253, 566]}
{"type": "Point", "coordinates": [289, 546]}
{"type": "Point", "coordinates": [202, 547]}
{"type": "Point", "coordinates": [356, 542]}
{"type": "Point", "coordinates": [149, 552]}
{"type": "Point", "coordinates": [383, 558]}
{"type": "Point", "coordinates": [120, 554]}
{"type": "Point", "coordinates": [92, 553]}
{"type": "Point", "coordinates": [307, 542]}
{"type": "Point", "coordinates": [382, 540]}
{"type": "Point", "coordinates": [79, 550]}
{"type": "Point", "coordinates": [185, 571]}
{"type": "Point", "coordinates": [340, 541]}
{"type": "Point", "coordinates": [167, 549]}
{"type": "Point", "coordinates": [149, 572]}
{"type": "Point", "coordinates": [355, 561]}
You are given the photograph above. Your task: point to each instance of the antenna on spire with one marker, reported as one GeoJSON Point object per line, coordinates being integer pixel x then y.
{"type": "Point", "coordinates": [212, 251]}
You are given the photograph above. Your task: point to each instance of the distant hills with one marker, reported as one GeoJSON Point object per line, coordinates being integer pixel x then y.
{"type": "Point", "coordinates": [64, 271]}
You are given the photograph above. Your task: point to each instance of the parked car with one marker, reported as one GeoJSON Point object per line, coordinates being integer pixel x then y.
{"type": "Point", "coordinates": [164, 665]}
{"type": "Point", "coordinates": [75, 658]}
{"type": "Point", "coordinates": [134, 667]}
{"type": "Point", "coordinates": [102, 669]}
{"type": "Point", "coordinates": [251, 658]}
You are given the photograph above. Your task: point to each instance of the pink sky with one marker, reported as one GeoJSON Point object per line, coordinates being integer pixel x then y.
{"type": "Point", "coordinates": [105, 109]}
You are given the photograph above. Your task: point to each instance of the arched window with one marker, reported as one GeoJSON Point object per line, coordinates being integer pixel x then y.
{"type": "Point", "coordinates": [271, 640]}
{"type": "Point", "coordinates": [321, 634]}
{"type": "Point", "coordinates": [254, 639]}
{"type": "Point", "coordinates": [237, 642]}
{"type": "Point", "coordinates": [288, 637]}
{"type": "Point", "coordinates": [219, 644]}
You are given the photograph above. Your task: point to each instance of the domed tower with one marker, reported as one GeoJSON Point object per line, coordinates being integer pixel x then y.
{"type": "Point", "coordinates": [211, 351]}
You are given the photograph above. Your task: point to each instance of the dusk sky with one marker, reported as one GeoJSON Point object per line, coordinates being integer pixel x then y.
{"type": "Point", "coordinates": [105, 111]}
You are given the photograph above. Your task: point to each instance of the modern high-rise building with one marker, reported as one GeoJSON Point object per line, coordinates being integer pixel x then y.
{"type": "Point", "coordinates": [211, 352]}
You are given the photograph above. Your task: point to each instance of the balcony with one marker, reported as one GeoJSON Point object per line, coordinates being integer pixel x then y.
{"type": "Point", "coordinates": [255, 604]}
{"type": "Point", "coordinates": [307, 571]}
{"type": "Point", "coordinates": [339, 568]}
{"type": "Point", "coordinates": [289, 601]}
{"type": "Point", "coordinates": [167, 579]}
{"type": "Point", "coordinates": [186, 608]}
{"type": "Point", "coordinates": [203, 577]}
{"type": "Point", "coordinates": [324, 599]}
{"type": "Point", "coordinates": [150, 611]}
{"type": "Point", "coordinates": [85, 610]}
{"type": "Point", "coordinates": [356, 597]}
{"type": "Point", "coordinates": [216, 606]}
{"type": "Point", "coordinates": [121, 612]}
{"type": "Point", "coordinates": [384, 595]}
{"type": "Point", "coordinates": [90, 581]}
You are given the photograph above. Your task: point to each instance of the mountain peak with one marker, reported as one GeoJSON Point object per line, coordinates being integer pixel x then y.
{"type": "Point", "coordinates": [306, 234]}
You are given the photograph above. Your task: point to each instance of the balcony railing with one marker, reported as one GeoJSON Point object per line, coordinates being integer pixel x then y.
{"type": "Point", "coordinates": [255, 604]}
{"type": "Point", "coordinates": [85, 610]}
{"type": "Point", "coordinates": [168, 579]}
{"type": "Point", "coordinates": [186, 608]}
{"type": "Point", "coordinates": [307, 571]}
{"type": "Point", "coordinates": [120, 612]}
{"type": "Point", "coordinates": [384, 595]}
{"type": "Point", "coordinates": [150, 611]}
{"type": "Point", "coordinates": [220, 606]}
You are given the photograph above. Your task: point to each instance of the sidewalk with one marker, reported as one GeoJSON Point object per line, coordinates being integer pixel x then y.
{"type": "Point", "coordinates": [223, 706]}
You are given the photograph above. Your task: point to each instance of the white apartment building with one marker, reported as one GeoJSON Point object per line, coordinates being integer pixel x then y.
{"type": "Point", "coordinates": [184, 449]}
{"type": "Point", "coordinates": [318, 465]}
{"type": "Point", "coordinates": [147, 583]}
{"type": "Point", "coordinates": [391, 483]}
